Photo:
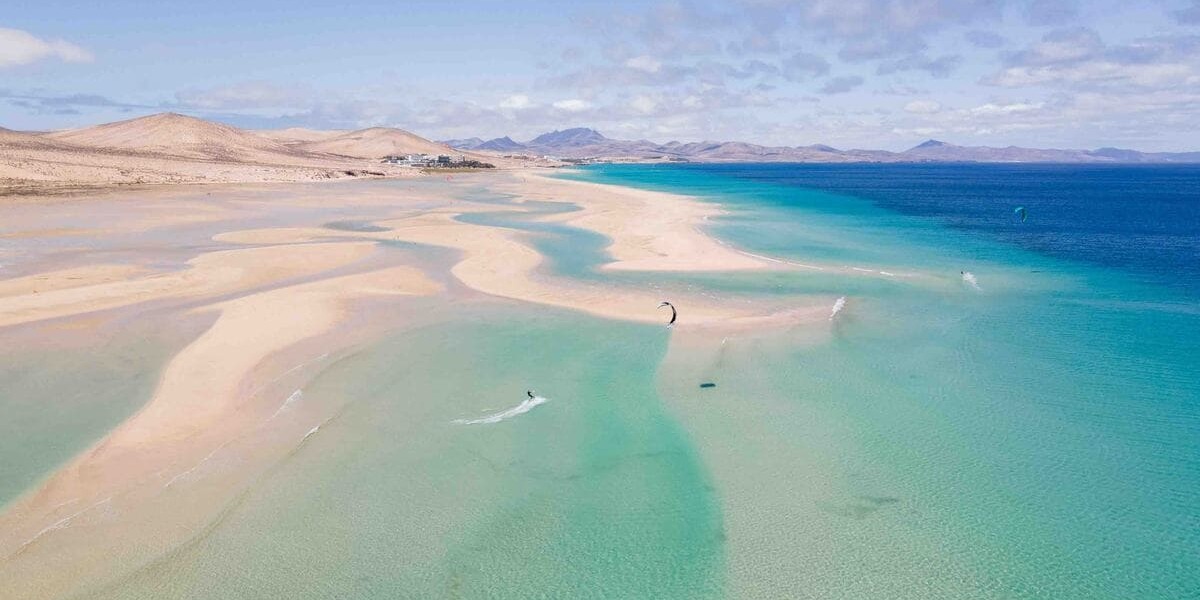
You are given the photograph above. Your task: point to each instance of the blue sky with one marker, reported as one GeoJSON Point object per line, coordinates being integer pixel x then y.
{"type": "Point", "coordinates": [851, 73]}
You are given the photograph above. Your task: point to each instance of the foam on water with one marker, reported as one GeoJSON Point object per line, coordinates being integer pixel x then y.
{"type": "Point", "coordinates": [969, 277]}
{"type": "Point", "coordinates": [504, 415]}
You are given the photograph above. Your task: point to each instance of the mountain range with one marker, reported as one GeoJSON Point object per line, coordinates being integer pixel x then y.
{"type": "Point", "coordinates": [586, 143]}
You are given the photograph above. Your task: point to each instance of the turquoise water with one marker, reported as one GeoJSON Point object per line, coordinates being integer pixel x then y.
{"type": "Point", "coordinates": [1043, 431]}
{"type": "Point", "coordinates": [597, 490]}
{"type": "Point", "coordinates": [59, 398]}
{"type": "Point", "coordinates": [1037, 437]}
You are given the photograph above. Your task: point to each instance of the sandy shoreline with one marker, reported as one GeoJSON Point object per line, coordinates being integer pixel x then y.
{"type": "Point", "coordinates": [274, 289]}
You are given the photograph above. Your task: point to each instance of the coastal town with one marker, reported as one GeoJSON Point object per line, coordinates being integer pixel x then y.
{"type": "Point", "coordinates": [442, 161]}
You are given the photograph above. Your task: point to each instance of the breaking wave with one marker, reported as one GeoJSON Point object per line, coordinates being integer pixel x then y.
{"type": "Point", "coordinates": [504, 415]}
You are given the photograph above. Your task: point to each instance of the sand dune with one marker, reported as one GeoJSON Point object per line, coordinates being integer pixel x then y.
{"type": "Point", "coordinates": [377, 142]}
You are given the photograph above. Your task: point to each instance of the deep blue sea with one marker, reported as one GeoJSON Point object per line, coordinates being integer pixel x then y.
{"type": "Point", "coordinates": [1143, 220]}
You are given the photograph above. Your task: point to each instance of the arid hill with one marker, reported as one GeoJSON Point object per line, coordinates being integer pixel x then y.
{"type": "Point", "coordinates": [177, 135]}
{"type": "Point", "coordinates": [299, 135]}
{"type": "Point", "coordinates": [376, 142]}
{"type": "Point", "coordinates": [164, 148]}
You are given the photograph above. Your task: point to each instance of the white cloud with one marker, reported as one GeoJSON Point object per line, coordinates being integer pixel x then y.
{"type": "Point", "coordinates": [1078, 59]}
{"type": "Point", "coordinates": [644, 63]}
{"type": "Point", "coordinates": [992, 108]}
{"type": "Point", "coordinates": [516, 101]}
{"type": "Point", "coordinates": [921, 131]}
{"type": "Point", "coordinates": [573, 105]}
{"type": "Point", "coordinates": [245, 95]}
{"type": "Point", "coordinates": [21, 48]}
{"type": "Point", "coordinates": [1099, 72]}
{"type": "Point", "coordinates": [644, 104]}
{"type": "Point", "coordinates": [922, 107]}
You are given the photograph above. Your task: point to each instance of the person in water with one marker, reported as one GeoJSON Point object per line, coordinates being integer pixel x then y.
{"type": "Point", "coordinates": [529, 393]}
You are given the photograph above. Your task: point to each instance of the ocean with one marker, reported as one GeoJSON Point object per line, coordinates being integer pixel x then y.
{"type": "Point", "coordinates": [1034, 431]}
{"type": "Point", "coordinates": [1030, 431]}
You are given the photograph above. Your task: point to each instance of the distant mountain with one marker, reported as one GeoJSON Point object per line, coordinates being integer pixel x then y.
{"type": "Point", "coordinates": [822, 148]}
{"type": "Point", "coordinates": [937, 151]}
{"type": "Point", "coordinates": [583, 142]}
{"type": "Point", "coordinates": [1118, 154]}
{"type": "Point", "coordinates": [375, 142]}
{"type": "Point", "coordinates": [1123, 155]}
{"type": "Point", "coordinates": [501, 144]}
{"type": "Point", "coordinates": [467, 144]}
{"type": "Point", "coordinates": [930, 145]}
{"type": "Point", "coordinates": [569, 138]}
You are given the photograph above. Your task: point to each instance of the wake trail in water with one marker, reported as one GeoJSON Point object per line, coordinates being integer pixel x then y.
{"type": "Point", "coordinates": [969, 277]}
{"type": "Point", "coordinates": [837, 307]}
{"type": "Point", "coordinates": [504, 415]}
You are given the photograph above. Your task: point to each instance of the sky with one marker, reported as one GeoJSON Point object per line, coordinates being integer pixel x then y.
{"type": "Point", "coordinates": [883, 74]}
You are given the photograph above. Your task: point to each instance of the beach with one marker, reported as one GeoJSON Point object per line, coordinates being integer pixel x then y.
{"type": "Point", "coordinates": [297, 291]}
{"type": "Point", "coordinates": [465, 387]}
